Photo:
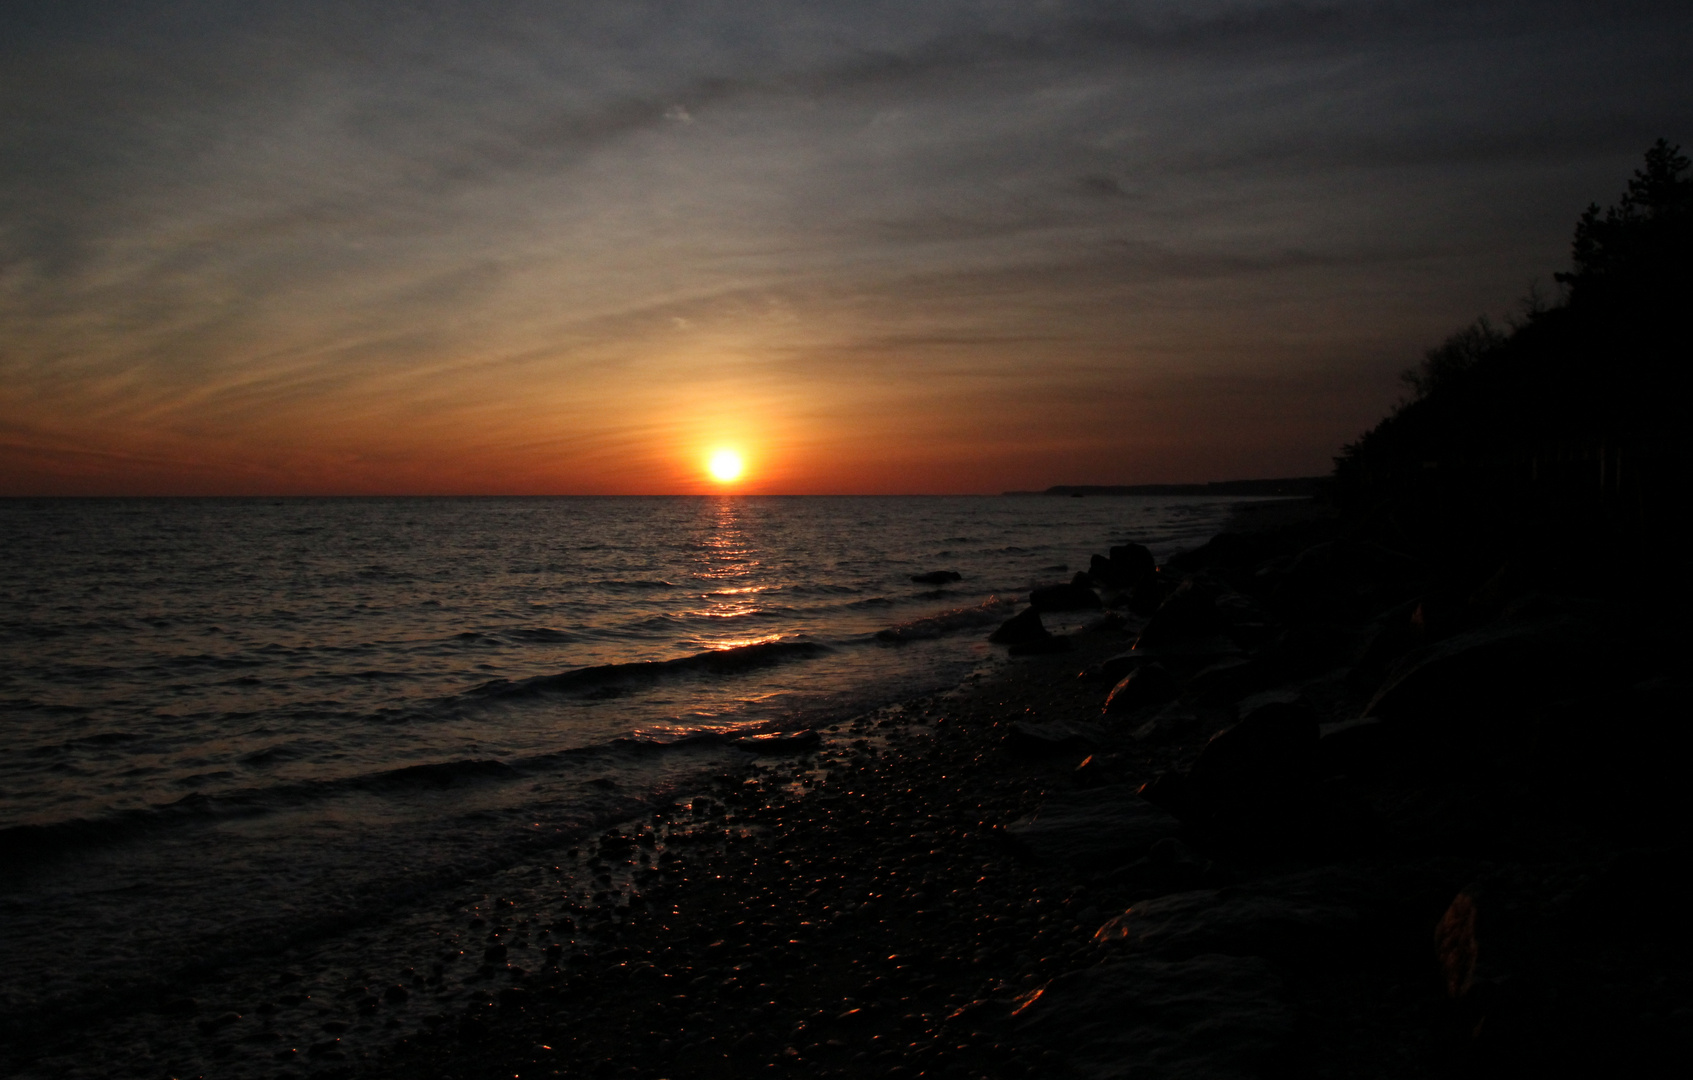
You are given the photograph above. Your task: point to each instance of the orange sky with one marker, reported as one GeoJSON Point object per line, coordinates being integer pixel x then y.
{"type": "Point", "coordinates": [962, 248]}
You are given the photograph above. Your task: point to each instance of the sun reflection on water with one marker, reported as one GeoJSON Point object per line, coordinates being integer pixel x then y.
{"type": "Point", "coordinates": [729, 564]}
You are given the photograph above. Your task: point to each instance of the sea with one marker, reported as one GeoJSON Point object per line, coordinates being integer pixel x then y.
{"type": "Point", "coordinates": [239, 729]}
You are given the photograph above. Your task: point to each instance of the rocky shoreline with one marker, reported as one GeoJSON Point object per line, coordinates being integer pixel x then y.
{"type": "Point", "coordinates": [1301, 801]}
{"type": "Point", "coordinates": [1362, 816]}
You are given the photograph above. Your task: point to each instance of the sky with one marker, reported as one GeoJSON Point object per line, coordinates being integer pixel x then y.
{"type": "Point", "coordinates": [906, 247]}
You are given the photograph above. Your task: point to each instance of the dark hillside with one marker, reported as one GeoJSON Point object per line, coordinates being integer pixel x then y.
{"type": "Point", "coordinates": [1576, 416]}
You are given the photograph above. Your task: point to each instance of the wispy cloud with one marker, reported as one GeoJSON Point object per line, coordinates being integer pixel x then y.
{"type": "Point", "coordinates": [556, 243]}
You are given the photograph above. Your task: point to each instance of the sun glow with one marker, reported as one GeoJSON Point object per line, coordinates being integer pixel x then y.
{"type": "Point", "coordinates": [725, 465]}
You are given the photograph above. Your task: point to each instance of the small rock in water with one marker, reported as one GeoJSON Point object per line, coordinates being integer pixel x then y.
{"type": "Point", "coordinates": [937, 577]}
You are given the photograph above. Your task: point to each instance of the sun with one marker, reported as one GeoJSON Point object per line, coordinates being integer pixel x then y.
{"type": "Point", "coordinates": [725, 465]}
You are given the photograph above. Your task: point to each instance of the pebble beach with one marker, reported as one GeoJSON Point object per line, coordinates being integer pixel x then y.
{"type": "Point", "coordinates": [1225, 827]}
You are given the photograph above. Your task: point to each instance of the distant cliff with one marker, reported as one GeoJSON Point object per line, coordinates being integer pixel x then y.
{"type": "Point", "coordinates": [1297, 485]}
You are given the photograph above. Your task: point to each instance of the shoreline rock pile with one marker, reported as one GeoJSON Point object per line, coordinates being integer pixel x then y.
{"type": "Point", "coordinates": [1324, 809]}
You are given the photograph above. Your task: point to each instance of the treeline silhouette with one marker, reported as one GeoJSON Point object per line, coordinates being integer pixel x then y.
{"type": "Point", "coordinates": [1576, 413]}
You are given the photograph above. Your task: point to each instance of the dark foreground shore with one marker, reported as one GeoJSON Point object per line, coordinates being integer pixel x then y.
{"type": "Point", "coordinates": [1301, 802]}
{"type": "Point", "coordinates": [1351, 816]}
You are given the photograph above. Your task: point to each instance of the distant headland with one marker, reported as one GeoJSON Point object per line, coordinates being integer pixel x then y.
{"type": "Point", "coordinates": [1296, 485]}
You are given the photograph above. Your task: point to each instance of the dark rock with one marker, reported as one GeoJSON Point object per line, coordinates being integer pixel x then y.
{"type": "Point", "coordinates": [1096, 828]}
{"type": "Point", "coordinates": [1273, 744]}
{"type": "Point", "coordinates": [395, 994]}
{"type": "Point", "coordinates": [1023, 627]}
{"type": "Point", "coordinates": [1306, 918]}
{"type": "Point", "coordinates": [1493, 671]}
{"type": "Point", "coordinates": [1067, 597]}
{"type": "Point", "coordinates": [1218, 1017]}
{"type": "Point", "coordinates": [1352, 746]}
{"type": "Point", "coordinates": [1256, 784]}
{"type": "Point", "coordinates": [1346, 580]}
{"type": "Point", "coordinates": [1500, 956]}
{"type": "Point", "coordinates": [1173, 721]}
{"type": "Point", "coordinates": [1095, 771]}
{"type": "Point", "coordinates": [1133, 564]}
{"type": "Point", "coordinates": [1305, 650]}
{"type": "Point", "coordinates": [1148, 684]}
{"type": "Point", "coordinates": [1225, 680]}
{"type": "Point", "coordinates": [1053, 737]}
{"type": "Point", "coordinates": [937, 577]}
{"type": "Point", "coordinates": [1169, 867]}
{"type": "Point", "coordinates": [1188, 615]}
{"type": "Point", "coordinates": [1052, 643]}
{"type": "Point", "coordinates": [494, 954]}
{"type": "Point", "coordinates": [1111, 620]}
{"type": "Point", "coordinates": [1386, 639]}
{"type": "Point", "coordinates": [1105, 574]}
{"type": "Point", "coordinates": [1113, 668]}
{"type": "Point", "coordinates": [1226, 551]}
{"type": "Point", "coordinates": [1149, 595]}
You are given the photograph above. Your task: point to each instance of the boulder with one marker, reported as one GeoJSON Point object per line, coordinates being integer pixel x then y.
{"type": "Point", "coordinates": [1112, 669]}
{"type": "Point", "coordinates": [1052, 643]}
{"type": "Point", "coordinates": [1499, 957]}
{"type": "Point", "coordinates": [1173, 721]}
{"type": "Point", "coordinates": [1346, 580]}
{"type": "Point", "coordinates": [1272, 745]}
{"type": "Point", "coordinates": [937, 577]}
{"type": "Point", "coordinates": [1307, 918]}
{"type": "Point", "coordinates": [1069, 596]}
{"type": "Point", "coordinates": [1225, 551]}
{"type": "Point", "coordinates": [1256, 784]}
{"type": "Point", "coordinates": [1053, 737]}
{"type": "Point", "coordinates": [1217, 1017]}
{"type": "Point", "coordinates": [1543, 965]}
{"type": "Point", "coordinates": [1025, 626]}
{"type": "Point", "coordinates": [1188, 615]}
{"type": "Point", "coordinates": [1471, 683]}
{"type": "Point", "coordinates": [1104, 573]}
{"type": "Point", "coordinates": [1133, 564]}
{"type": "Point", "coordinates": [1092, 829]}
{"type": "Point", "coordinates": [1147, 684]}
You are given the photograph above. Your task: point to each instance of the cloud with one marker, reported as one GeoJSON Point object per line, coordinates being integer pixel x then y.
{"type": "Point", "coordinates": [383, 223]}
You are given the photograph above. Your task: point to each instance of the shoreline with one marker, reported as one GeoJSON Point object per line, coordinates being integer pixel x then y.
{"type": "Point", "coordinates": [940, 887]}
{"type": "Point", "coordinates": [943, 890]}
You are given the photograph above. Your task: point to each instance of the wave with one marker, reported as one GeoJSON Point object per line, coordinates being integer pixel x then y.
{"type": "Point", "coordinates": [989, 611]}
{"type": "Point", "coordinates": [610, 676]}
{"type": "Point", "coordinates": [541, 633]}
{"type": "Point", "coordinates": [797, 741]}
{"type": "Point", "coordinates": [22, 845]}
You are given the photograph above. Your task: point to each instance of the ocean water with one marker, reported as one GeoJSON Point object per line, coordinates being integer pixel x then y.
{"type": "Point", "coordinates": [235, 726]}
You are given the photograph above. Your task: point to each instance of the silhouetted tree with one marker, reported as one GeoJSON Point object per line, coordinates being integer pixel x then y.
{"type": "Point", "coordinates": [1643, 241]}
{"type": "Point", "coordinates": [1452, 357]}
{"type": "Point", "coordinates": [1606, 368]}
